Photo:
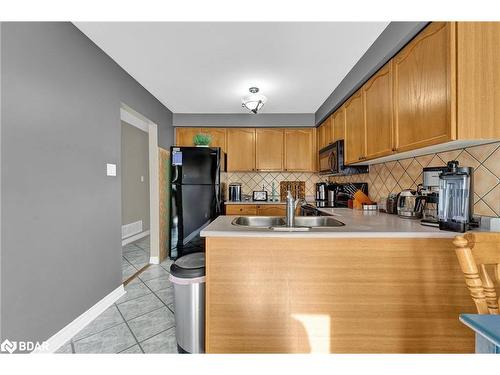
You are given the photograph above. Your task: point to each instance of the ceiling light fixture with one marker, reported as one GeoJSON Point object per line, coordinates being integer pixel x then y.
{"type": "Point", "coordinates": [254, 101]}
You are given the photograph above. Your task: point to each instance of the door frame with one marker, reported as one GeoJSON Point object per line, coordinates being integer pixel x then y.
{"type": "Point", "coordinates": [134, 118]}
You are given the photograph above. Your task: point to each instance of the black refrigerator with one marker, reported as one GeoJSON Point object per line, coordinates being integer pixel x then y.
{"type": "Point", "coordinates": [195, 193]}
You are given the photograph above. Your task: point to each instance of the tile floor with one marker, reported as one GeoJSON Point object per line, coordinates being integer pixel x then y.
{"type": "Point", "coordinates": [135, 256]}
{"type": "Point", "coordinates": [142, 321]}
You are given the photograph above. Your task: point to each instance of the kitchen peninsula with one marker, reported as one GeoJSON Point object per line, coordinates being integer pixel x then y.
{"type": "Point", "coordinates": [377, 284]}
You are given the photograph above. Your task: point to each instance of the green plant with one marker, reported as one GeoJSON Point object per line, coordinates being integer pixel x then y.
{"type": "Point", "coordinates": [201, 139]}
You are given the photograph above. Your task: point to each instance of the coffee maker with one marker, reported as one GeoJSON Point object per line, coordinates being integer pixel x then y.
{"type": "Point", "coordinates": [456, 198]}
{"type": "Point", "coordinates": [430, 194]}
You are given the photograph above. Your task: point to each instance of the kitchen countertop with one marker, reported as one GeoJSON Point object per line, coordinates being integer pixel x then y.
{"type": "Point", "coordinates": [357, 224]}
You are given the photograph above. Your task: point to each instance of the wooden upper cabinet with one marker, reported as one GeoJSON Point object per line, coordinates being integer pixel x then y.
{"type": "Point", "coordinates": [338, 119]}
{"type": "Point", "coordinates": [478, 70]}
{"type": "Point", "coordinates": [377, 97]}
{"type": "Point", "coordinates": [240, 149]}
{"type": "Point", "coordinates": [184, 136]}
{"type": "Point", "coordinates": [354, 145]}
{"type": "Point", "coordinates": [324, 133]}
{"type": "Point", "coordinates": [218, 137]}
{"type": "Point", "coordinates": [424, 75]}
{"type": "Point", "coordinates": [269, 149]}
{"type": "Point", "coordinates": [300, 147]}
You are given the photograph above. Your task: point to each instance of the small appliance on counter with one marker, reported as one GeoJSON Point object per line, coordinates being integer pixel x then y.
{"type": "Point", "coordinates": [321, 191]}
{"type": "Point", "coordinates": [410, 204]}
{"type": "Point", "coordinates": [430, 194]}
{"type": "Point", "coordinates": [391, 204]}
{"type": "Point", "coordinates": [235, 192]}
{"type": "Point", "coordinates": [455, 198]}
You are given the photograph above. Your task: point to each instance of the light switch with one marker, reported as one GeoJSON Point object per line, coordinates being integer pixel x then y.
{"type": "Point", "coordinates": [142, 178]}
{"type": "Point", "coordinates": [110, 169]}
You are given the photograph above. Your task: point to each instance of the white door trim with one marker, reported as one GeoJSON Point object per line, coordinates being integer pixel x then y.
{"type": "Point", "coordinates": [136, 119]}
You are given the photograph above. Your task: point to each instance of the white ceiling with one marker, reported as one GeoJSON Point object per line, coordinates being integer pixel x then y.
{"type": "Point", "coordinates": [205, 67]}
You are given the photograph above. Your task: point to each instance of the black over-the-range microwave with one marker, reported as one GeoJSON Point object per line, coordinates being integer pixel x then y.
{"type": "Point", "coordinates": [331, 161]}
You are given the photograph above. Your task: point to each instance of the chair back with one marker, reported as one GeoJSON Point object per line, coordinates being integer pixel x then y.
{"type": "Point", "coordinates": [479, 257]}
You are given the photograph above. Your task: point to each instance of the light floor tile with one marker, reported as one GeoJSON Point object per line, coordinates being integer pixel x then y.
{"type": "Point", "coordinates": [163, 342]}
{"type": "Point", "coordinates": [111, 340]}
{"type": "Point", "coordinates": [109, 318]}
{"type": "Point", "coordinates": [139, 306]}
{"type": "Point", "coordinates": [150, 324]}
{"type": "Point", "coordinates": [152, 272]}
{"type": "Point", "coordinates": [166, 295]}
{"type": "Point", "coordinates": [159, 283]}
{"type": "Point", "coordinates": [134, 289]}
{"type": "Point", "coordinates": [132, 350]}
{"type": "Point", "coordinates": [65, 349]}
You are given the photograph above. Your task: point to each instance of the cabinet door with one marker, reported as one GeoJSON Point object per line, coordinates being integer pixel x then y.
{"type": "Point", "coordinates": [478, 70]}
{"type": "Point", "coordinates": [218, 137]}
{"type": "Point", "coordinates": [271, 210]}
{"type": "Point", "coordinates": [269, 149]}
{"type": "Point", "coordinates": [339, 124]}
{"type": "Point", "coordinates": [377, 95]}
{"type": "Point", "coordinates": [241, 149]}
{"type": "Point", "coordinates": [299, 149]}
{"type": "Point", "coordinates": [324, 130]}
{"type": "Point", "coordinates": [354, 145]}
{"type": "Point", "coordinates": [241, 209]}
{"type": "Point", "coordinates": [424, 72]}
{"type": "Point", "coordinates": [184, 136]}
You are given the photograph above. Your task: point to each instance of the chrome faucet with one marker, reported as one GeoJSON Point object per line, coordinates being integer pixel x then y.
{"type": "Point", "coordinates": [291, 206]}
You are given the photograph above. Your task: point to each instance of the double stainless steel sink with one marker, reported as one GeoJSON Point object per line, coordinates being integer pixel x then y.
{"type": "Point", "coordinates": [301, 223]}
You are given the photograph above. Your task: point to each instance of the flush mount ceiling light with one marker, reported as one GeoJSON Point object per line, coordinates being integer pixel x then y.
{"type": "Point", "coordinates": [254, 101]}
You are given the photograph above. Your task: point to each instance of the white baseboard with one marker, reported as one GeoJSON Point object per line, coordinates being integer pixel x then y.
{"type": "Point", "coordinates": [154, 260]}
{"type": "Point", "coordinates": [136, 237]}
{"type": "Point", "coordinates": [65, 334]}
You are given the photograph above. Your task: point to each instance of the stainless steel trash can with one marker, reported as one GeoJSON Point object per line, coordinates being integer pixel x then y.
{"type": "Point", "coordinates": [188, 276]}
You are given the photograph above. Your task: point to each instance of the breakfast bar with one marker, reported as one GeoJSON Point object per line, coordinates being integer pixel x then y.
{"type": "Point", "coordinates": [378, 284]}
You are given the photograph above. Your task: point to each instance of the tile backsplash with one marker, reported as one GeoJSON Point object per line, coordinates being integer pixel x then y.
{"type": "Point", "coordinates": [397, 175]}
{"type": "Point", "coordinates": [255, 180]}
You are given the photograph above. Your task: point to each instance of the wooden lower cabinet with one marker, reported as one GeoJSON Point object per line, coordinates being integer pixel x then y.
{"type": "Point", "coordinates": [241, 209]}
{"type": "Point", "coordinates": [271, 210]}
{"type": "Point", "coordinates": [258, 209]}
{"type": "Point", "coordinates": [335, 295]}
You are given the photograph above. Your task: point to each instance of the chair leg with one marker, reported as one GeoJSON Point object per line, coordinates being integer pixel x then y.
{"type": "Point", "coordinates": [472, 279]}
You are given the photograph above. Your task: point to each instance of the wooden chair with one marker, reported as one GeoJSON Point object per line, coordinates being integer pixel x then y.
{"type": "Point", "coordinates": [479, 257]}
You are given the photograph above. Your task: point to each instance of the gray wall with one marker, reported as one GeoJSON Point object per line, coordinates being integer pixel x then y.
{"type": "Point", "coordinates": [134, 164]}
{"type": "Point", "coordinates": [395, 36]}
{"type": "Point", "coordinates": [61, 216]}
{"type": "Point", "coordinates": [240, 120]}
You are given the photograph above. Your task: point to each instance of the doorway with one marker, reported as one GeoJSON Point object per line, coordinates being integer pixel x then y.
{"type": "Point", "coordinates": [139, 177]}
